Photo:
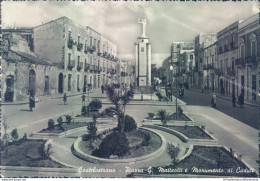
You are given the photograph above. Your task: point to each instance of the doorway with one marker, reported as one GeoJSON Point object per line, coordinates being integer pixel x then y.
{"type": "Point", "coordinates": [9, 93]}
{"type": "Point", "coordinates": [60, 87]}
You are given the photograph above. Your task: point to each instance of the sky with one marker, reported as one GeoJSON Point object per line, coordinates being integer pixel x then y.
{"type": "Point", "coordinates": [166, 21]}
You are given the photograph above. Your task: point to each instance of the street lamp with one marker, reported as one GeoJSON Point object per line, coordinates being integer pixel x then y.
{"type": "Point", "coordinates": [176, 99]}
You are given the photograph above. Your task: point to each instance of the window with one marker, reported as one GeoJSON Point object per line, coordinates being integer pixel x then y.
{"type": "Point", "coordinates": [78, 60]}
{"type": "Point", "coordinates": [142, 49]}
{"type": "Point", "coordinates": [191, 57]}
{"type": "Point", "coordinates": [91, 61]}
{"type": "Point", "coordinates": [253, 48]}
{"type": "Point", "coordinates": [242, 51]}
{"type": "Point", "coordinates": [78, 39]}
{"type": "Point", "coordinates": [86, 42]}
{"type": "Point", "coordinates": [69, 58]}
{"type": "Point", "coordinates": [90, 41]}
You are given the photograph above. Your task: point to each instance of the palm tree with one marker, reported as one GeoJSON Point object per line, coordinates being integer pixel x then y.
{"type": "Point", "coordinates": [163, 116]}
{"type": "Point", "coordinates": [120, 103]}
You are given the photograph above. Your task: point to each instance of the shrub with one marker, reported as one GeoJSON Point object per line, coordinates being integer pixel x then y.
{"type": "Point", "coordinates": [24, 137]}
{"type": "Point", "coordinates": [14, 135]}
{"type": "Point", "coordinates": [180, 110]}
{"type": "Point", "coordinates": [130, 124]}
{"type": "Point", "coordinates": [146, 139]}
{"type": "Point", "coordinates": [68, 119]}
{"type": "Point", "coordinates": [92, 130]}
{"type": "Point", "coordinates": [50, 124]}
{"type": "Point", "coordinates": [163, 116]}
{"type": "Point", "coordinates": [95, 105]}
{"type": "Point", "coordinates": [159, 95]}
{"type": "Point", "coordinates": [173, 152]}
{"type": "Point", "coordinates": [113, 144]}
{"type": "Point", "coordinates": [59, 120]}
{"type": "Point", "coordinates": [85, 111]}
{"type": "Point", "coordinates": [151, 115]}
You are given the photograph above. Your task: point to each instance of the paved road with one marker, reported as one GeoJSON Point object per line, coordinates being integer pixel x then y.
{"type": "Point", "coordinates": [247, 115]}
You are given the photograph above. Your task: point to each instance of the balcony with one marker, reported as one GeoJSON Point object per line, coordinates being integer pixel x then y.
{"type": "Point", "coordinates": [79, 46]}
{"type": "Point", "coordinates": [71, 64]}
{"type": "Point", "coordinates": [240, 62]}
{"type": "Point", "coordinates": [80, 66]}
{"type": "Point", "coordinates": [92, 49]}
{"type": "Point", "coordinates": [85, 49]}
{"type": "Point", "coordinates": [104, 54]}
{"type": "Point", "coordinates": [218, 71]}
{"type": "Point", "coordinates": [251, 60]}
{"type": "Point", "coordinates": [231, 71]}
{"type": "Point", "coordinates": [99, 52]}
{"type": "Point", "coordinates": [86, 68]}
{"type": "Point", "coordinates": [70, 43]}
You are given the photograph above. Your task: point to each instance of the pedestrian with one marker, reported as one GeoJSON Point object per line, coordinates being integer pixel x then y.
{"type": "Point", "coordinates": [214, 100]}
{"type": "Point", "coordinates": [102, 89]}
{"type": "Point", "coordinates": [83, 97]}
{"type": "Point", "coordinates": [31, 101]}
{"type": "Point", "coordinates": [65, 99]}
{"type": "Point", "coordinates": [233, 100]}
{"type": "Point", "coordinates": [241, 100]}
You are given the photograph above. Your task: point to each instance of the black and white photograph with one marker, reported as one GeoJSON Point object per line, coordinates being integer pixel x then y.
{"type": "Point", "coordinates": [130, 89]}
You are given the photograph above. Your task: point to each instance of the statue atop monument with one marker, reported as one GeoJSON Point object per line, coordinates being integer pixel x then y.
{"type": "Point", "coordinates": [143, 23]}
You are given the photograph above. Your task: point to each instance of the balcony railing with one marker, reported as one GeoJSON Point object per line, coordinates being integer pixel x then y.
{"type": "Point", "coordinates": [71, 64]}
{"type": "Point", "coordinates": [86, 68]}
{"type": "Point", "coordinates": [80, 66]}
{"type": "Point", "coordinates": [92, 49]}
{"type": "Point", "coordinates": [99, 52]}
{"type": "Point", "coordinates": [240, 62]}
{"type": "Point", "coordinates": [70, 43]}
{"type": "Point", "coordinates": [85, 49]}
{"type": "Point", "coordinates": [251, 60]}
{"type": "Point", "coordinates": [79, 46]}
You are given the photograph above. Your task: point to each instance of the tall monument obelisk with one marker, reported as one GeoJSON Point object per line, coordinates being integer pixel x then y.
{"type": "Point", "coordinates": [143, 58]}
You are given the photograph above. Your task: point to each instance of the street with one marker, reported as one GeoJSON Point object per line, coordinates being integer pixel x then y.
{"type": "Point", "coordinates": [247, 115]}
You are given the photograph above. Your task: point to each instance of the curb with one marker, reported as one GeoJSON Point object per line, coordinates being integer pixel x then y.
{"type": "Point", "coordinates": [94, 159]}
{"type": "Point", "coordinates": [222, 97]}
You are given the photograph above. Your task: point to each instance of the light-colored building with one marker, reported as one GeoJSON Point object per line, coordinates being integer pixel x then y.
{"type": "Point", "coordinates": [86, 58]}
{"type": "Point", "coordinates": [143, 58]}
{"type": "Point", "coordinates": [201, 41]}
{"type": "Point", "coordinates": [248, 62]}
{"type": "Point", "coordinates": [227, 54]}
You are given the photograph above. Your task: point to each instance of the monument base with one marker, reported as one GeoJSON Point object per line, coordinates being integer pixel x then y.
{"type": "Point", "coordinates": [145, 89]}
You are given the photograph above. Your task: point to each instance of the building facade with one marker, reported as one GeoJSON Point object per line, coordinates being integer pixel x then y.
{"type": "Point", "coordinates": [248, 73]}
{"type": "Point", "coordinates": [227, 47]}
{"type": "Point", "coordinates": [85, 57]}
{"type": "Point", "coordinates": [56, 57]}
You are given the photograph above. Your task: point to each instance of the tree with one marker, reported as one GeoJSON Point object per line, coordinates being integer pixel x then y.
{"type": "Point", "coordinates": [173, 152]}
{"type": "Point", "coordinates": [95, 105]}
{"type": "Point", "coordinates": [92, 128]}
{"type": "Point", "coordinates": [120, 103]}
{"type": "Point", "coordinates": [14, 135]}
{"type": "Point", "coordinates": [163, 116]}
{"type": "Point", "coordinates": [51, 124]}
{"type": "Point", "coordinates": [5, 138]}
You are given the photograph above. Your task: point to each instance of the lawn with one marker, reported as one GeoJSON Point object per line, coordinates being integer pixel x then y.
{"type": "Point", "coordinates": [65, 127]}
{"type": "Point", "coordinates": [29, 154]}
{"type": "Point", "coordinates": [211, 161]}
{"type": "Point", "coordinates": [135, 139]}
{"type": "Point", "coordinates": [192, 132]}
{"type": "Point", "coordinates": [180, 117]}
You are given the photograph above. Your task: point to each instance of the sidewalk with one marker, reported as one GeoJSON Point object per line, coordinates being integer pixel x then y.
{"type": "Point", "coordinates": [94, 93]}
{"type": "Point", "coordinates": [228, 97]}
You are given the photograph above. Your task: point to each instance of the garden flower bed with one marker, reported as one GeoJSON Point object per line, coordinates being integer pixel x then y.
{"type": "Point", "coordinates": [135, 139]}
{"type": "Point", "coordinates": [65, 127]}
{"type": "Point", "coordinates": [192, 132]}
{"type": "Point", "coordinates": [207, 160]}
{"type": "Point", "coordinates": [29, 153]}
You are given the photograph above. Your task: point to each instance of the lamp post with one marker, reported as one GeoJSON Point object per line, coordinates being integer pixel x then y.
{"type": "Point", "coordinates": [176, 99]}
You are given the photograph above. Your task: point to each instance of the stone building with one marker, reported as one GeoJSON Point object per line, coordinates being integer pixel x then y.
{"type": "Point", "coordinates": [176, 61]}
{"type": "Point", "coordinates": [209, 65]}
{"type": "Point", "coordinates": [56, 57]}
{"type": "Point", "coordinates": [248, 73]}
{"type": "Point", "coordinates": [227, 48]}
{"type": "Point", "coordinates": [86, 58]}
{"type": "Point", "coordinates": [201, 41]}
{"type": "Point", "coordinates": [23, 72]}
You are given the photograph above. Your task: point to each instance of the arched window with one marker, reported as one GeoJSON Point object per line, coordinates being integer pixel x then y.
{"type": "Point", "coordinates": [253, 45]}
